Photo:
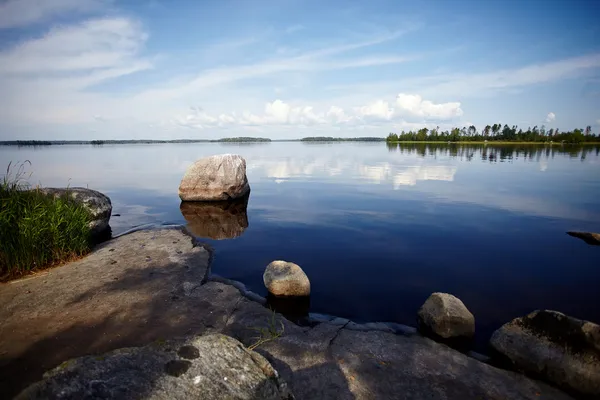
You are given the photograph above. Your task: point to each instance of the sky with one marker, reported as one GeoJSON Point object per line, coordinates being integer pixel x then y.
{"type": "Point", "coordinates": [158, 69]}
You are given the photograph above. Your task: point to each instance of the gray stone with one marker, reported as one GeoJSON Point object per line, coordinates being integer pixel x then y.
{"type": "Point", "coordinates": [216, 220]}
{"type": "Point", "coordinates": [283, 278]}
{"type": "Point", "coordinates": [590, 238]}
{"type": "Point", "coordinates": [205, 367]}
{"type": "Point", "coordinates": [220, 177]}
{"type": "Point", "coordinates": [446, 316]}
{"type": "Point", "coordinates": [334, 362]}
{"type": "Point", "coordinates": [98, 204]}
{"type": "Point", "coordinates": [560, 349]}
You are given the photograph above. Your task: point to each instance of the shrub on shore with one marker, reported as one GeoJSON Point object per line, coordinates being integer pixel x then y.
{"type": "Point", "coordinates": [37, 230]}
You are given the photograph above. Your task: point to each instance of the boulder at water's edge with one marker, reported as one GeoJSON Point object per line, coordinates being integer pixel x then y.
{"type": "Point", "coordinates": [98, 204]}
{"type": "Point", "coordinates": [555, 347]}
{"type": "Point", "coordinates": [446, 316]}
{"type": "Point", "coordinates": [220, 177]}
{"type": "Point", "coordinates": [282, 278]}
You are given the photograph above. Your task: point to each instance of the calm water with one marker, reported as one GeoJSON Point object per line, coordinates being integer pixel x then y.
{"type": "Point", "coordinates": [378, 228]}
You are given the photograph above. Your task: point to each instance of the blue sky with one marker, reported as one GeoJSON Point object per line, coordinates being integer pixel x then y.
{"type": "Point", "coordinates": [157, 69]}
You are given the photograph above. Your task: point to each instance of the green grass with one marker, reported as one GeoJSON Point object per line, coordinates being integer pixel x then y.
{"type": "Point", "coordinates": [38, 231]}
{"type": "Point", "coordinates": [274, 330]}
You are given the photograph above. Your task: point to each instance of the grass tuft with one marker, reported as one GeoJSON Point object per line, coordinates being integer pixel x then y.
{"type": "Point", "coordinates": [36, 230]}
{"type": "Point", "coordinates": [271, 332]}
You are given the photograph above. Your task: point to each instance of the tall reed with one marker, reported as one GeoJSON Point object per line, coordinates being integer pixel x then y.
{"type": "Point", "coordinates": [37, 230]}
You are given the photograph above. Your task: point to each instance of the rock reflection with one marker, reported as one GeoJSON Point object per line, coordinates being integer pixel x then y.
{"type": "Point", "coordinates": [293, 308]}
{"type": "Point", "coordinates": [216, 220]}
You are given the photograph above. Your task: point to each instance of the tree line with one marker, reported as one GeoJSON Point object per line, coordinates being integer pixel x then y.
{"type": "Point", "coordinates": [496, 132]}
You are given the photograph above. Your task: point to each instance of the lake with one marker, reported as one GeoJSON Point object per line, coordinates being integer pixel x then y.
{"type": "Point", "coordinates": [377, 228]}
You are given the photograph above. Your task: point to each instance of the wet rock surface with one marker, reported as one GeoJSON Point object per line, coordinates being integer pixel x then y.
{"type": "Point", "coordinates": [215, 178]}
{"type": "Point", "coordinates": [78, 310]}
{"type": "Point", "coordinates": [98, 204]}
{"type": "Point", "coordinates": [555, 347]}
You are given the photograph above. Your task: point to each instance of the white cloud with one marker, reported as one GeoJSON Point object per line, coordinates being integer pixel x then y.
{"type": "Point", "coordinates": [94, 44]}
{"type": "Point", "coordinates": [18, 13]}
{"type": "Point", "coordinates": [43, 79]}
{"type": "Point", "coordinates": [377, 110]}
{"type": "Point", "coordinates": [279, 112]}
{"type": "Point", "coordinates": [414, 105]}
{"type": "Point", "coordinates": [550, 117]}
{"type": "Point", "coordinates": [484, 83]}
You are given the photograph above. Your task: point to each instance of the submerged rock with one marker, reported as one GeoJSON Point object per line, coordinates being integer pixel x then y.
{"type": "Point", "coordinates": [216, 220]}
{"type": "Point", "coordinates": [282, 278]}
{"type": "Point", "coordinates": [551, 345]}
{"type": "Point", "coordinates": [446, 316]}
{"type": "Point", "coordinates": [220, 177]}
{"type": "Point", "coordinates": [588, 237]}
{"type": "Point", "coordinates": [205, 367]}
{"type": "Point", "coordinates": [98, 204]}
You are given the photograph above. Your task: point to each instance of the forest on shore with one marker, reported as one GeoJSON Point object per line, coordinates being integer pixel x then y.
{"type": "Point", "coordinates": [496, 133]}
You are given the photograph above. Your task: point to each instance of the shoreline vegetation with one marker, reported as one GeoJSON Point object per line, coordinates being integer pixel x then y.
{"type": "Point", "coordinates": [497, 134]}
{"type": "Point", "coordinates": [38, 230]}
{"type": "Point", "coordinates": [491, 134]}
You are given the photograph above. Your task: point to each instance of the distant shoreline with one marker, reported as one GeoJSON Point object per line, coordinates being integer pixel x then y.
{"type": "Point", "coordinates": [249, 140]}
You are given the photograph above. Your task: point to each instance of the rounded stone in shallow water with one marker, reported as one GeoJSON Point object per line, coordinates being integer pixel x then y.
{"type": "Point", "coordinates": [219, 177]}
{"type": "Point", "coordinates": [283, 278]}
{"type": "Point", "coordinates": [446, 316]}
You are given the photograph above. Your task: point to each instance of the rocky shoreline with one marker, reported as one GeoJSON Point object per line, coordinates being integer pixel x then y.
{"type": "Point", "coordinates": [146, 287]}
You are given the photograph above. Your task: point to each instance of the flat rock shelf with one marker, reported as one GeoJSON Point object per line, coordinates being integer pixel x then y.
{"type": "Point", "coordinates": [152, 286]}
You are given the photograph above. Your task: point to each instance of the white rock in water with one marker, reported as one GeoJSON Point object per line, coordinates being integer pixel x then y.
{"type": "Point", "coordinates": [446, 316]}
{"type": "Point", "coordinates": [220, 177]}
{"type": "Point", "coordinates": [283, 278]}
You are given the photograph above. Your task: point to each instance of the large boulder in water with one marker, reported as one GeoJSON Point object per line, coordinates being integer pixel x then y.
{"type": "Point", "coordinates": [553, 346]}
{"type": "Point", "coordinates": [205, 367]}
{"type": "Point", "coordinates": [282, 278]}
{"type": "Point", "coordinates": [216, 219]}
{"type": "Point", "coordinates": [220, 177]}
{"type": "Point", "coordinates": [98, 204]}
{"type": "Point", "coordinates": [446, 316]}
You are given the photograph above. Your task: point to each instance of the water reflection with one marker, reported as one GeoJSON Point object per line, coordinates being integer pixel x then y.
{"type": "Point", "coordinates": [493, 152]}
{"type": "Point", "coordinates": [406, 175]}
{"type": "Point", "coordinates": [216, 220]}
